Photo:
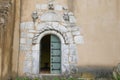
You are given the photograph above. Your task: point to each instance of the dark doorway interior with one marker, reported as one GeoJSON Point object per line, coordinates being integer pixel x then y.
{"type": "Point", "coordinates": [45, 55]}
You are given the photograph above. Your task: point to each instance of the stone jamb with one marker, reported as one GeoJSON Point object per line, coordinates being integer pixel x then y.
{"type": "Point", "coordinates": [38, 43]}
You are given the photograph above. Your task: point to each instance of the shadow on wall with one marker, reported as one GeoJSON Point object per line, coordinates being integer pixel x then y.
{"type": "Point", "coordinates": [98, 72]}
{"type": "Point", "coordinates": [8, 76]}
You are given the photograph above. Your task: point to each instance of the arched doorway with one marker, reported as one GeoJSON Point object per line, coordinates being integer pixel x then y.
{"type": "Point", "coordinates": [50, 55]}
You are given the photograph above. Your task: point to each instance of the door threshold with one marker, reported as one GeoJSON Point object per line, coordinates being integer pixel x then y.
{"type": "Point", "coordinates": [50, 74]}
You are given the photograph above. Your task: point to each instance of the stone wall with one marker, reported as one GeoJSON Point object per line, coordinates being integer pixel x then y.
{"type": "Point", "coordinates": [99, 21]}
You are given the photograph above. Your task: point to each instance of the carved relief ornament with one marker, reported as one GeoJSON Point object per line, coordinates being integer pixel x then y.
{"type": "Point", "coordinates": [4, 10]}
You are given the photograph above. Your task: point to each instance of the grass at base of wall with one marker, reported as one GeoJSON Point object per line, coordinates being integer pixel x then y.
{"type": "Point", "coordinates": [80, 76]}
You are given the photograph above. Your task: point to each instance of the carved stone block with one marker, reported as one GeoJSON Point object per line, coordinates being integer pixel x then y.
{"type": "Point", "coordinates": [4, 11]}
{"type": "Point", "coordinates": [22, 40]}
{"type": "Point", "coordinates": [30, 35]}
{"type": "Point", "coordinates": [58, 7]}
{"type": "Point", "coordinates": [76, 33]}
{"type": "Point", "coordinates": [78, 39]}
{"type": "Point", "coordinates": [27, 67]}
{"type": "Point", "coordinates": [29, 42]}
{"type": "Point", "coordinates": [23, 35]}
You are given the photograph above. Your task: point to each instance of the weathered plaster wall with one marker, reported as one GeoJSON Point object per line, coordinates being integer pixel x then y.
{"type": "Point", "coordinates": [6, 41]}
{"type": "Point", "coordinates": [0, 61]}
{"type": "Point", "coordinates": [16, 40]}
{"type": "Point", "coordinates": [99, 20]}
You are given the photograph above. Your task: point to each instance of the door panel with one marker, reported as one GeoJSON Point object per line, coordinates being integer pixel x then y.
{"type": "Point", "coordinates": [55, 59]}
{"type": "Point", "coordinates": [56, 66]}
{"type": "Point", "coordinates": [55, 45]}
{"type": "Point", "coordinates": [54, 38]}
{"type": "Point", "coordinates": [55, 52]}
{"type": "Point", "coordinates": [55, 55]}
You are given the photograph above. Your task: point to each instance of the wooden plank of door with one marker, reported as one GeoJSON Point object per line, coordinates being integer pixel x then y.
{"type": "Point", "coordinates": [55, 55]}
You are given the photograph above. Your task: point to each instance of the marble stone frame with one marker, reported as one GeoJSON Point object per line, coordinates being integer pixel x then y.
{"type": "Point", "coordinates": [32, 50]}
{"type": "Point", "coordinates": [36, 58]}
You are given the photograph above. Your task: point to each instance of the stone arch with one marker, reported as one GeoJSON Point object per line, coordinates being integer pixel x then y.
{"type": "Point", "coordinates": [51, 32]}
{"type": "Point", "coordinates": [56, 28]}
{"type": "Point", "coordinates": [36, 51]}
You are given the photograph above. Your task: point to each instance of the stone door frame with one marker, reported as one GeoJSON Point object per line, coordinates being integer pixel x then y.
{"type": "Point", "coordinates": [36, 58]}
{"type": "Point", "coordinates": [69, 36]}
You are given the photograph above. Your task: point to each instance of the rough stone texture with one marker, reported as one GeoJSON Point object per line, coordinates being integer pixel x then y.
{"type": "Point", "coordinates": [28, 66]}
{"type": "Point", "coordinates": [23, 41]}
{"type": "Point", "coordinates": [76, 33]}
{"type": "Point", "coordinates": [23, 35]}
{"type": "Point", "coordinates": [72, 59]}
{"type": "Point", "coordinates": [29, 42]}
{"type": "Point", "coordinates": [30, 35]}
{"type": "Point", "coordinates": [50, 16]}
{"type": "Point", "coordinates": [58, 7]}
{"type": "Point", "coordinates": [78, 39]}
{"type": "Point", "coordinates": [65, 49]}
{"type": "Point", "coordinates": [35, 60]}
{"type": "Point", "coordinates": [35, 47]}
{"type": "Point", "coordinates": [72, 19]}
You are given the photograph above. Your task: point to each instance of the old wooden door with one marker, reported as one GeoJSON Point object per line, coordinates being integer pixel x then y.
{"type": "Point", "coordinates": [55, 55]}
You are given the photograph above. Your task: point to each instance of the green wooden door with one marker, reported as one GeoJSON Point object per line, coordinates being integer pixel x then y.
{"type": "Point", "coordinates": [55, 55]}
